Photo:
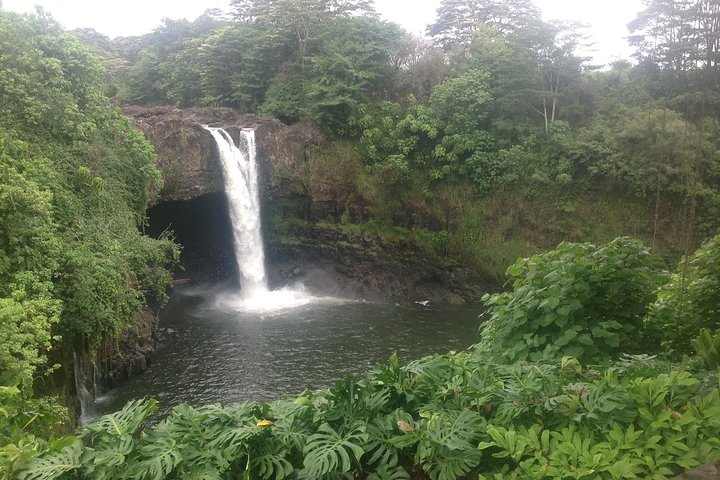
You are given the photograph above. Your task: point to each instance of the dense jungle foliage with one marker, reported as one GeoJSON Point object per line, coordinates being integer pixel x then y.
{"type": "Point", "coordinates": [495, 138]}
{"type": "Point", "coordinates": [494, 133]}
{"type": "Point", "coordinates": [75, 179]}
{"type": "Point", "coordinates": [474, 414]}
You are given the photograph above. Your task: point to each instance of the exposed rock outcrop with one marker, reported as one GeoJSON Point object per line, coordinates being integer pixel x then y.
{"type": "Point", "coordinates": [129, 355]}
{"type": "Point", "coordinates": [366, 266]}
{"type": "Point", "coordinates": [325, 259]}
{"type": "Point", "coordinates": [187, 155]}
{"type": "Point", "coordinates": [88, 372]}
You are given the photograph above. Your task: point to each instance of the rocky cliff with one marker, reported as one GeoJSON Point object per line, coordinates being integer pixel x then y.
{"type": "Point", "coordinates": [187, 155]}
{"type": "Point", "coordinates": [320, 255]}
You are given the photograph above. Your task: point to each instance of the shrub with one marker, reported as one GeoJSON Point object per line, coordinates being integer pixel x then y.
{"type": "Point", "coordinates": [580, 300]}
{"type": "Point", "coordinates": [690, 301]}
{"type": "Point", "coordinates": [441, 417]}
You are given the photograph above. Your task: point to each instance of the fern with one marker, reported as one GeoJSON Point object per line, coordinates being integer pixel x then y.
{"type": "Point", "coordinates": [326, 451]}
{"type": "Point", "coordinates": [55, 465]}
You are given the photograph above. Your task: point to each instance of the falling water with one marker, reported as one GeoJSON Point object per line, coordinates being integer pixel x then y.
{"type": "Point", "coordinates": [240, 172]}
{"type": "Point", "coordinates": [241, 189]}
{"type": "Point", "coordinates": [85, 396]}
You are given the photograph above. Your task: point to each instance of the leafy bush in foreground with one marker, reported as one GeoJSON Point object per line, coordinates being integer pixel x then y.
{"type": "Point", "coordinates": [462, 415]}
{"type": "Point", "coordinates": [441, 417]}
{"type": "Point", "coordinates": [581, 300]}
{"type": "Point", "coordinates": [691, 300]}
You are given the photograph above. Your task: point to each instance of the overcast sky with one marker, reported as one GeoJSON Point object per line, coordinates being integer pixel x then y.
{"type": "Point", "coordinates": [607, 19]}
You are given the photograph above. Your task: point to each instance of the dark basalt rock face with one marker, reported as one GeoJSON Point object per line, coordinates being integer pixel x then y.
{"type": "Point", "coordinates": [370, 268]}
{"type": "Point", "coordinates": [324, 259]}
{"type": "Point", "coordinates": [187, 155]}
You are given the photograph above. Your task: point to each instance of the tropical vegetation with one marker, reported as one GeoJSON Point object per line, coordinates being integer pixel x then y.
{"type": "Point", "coordinates": [473, 414]}
{"type": "Point", "coordinates": [493, 140]}
{"type": "Point", "coordinates": [498, 115]}
{"type": "Point", "coordinates": [75, 180]}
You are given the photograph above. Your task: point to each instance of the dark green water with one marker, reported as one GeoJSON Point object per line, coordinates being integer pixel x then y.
{"type": "Point", "coordinates": [221, 355]}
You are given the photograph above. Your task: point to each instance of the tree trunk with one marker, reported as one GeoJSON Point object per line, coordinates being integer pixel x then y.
{"type": "Point", "coordinates": [657, 211]}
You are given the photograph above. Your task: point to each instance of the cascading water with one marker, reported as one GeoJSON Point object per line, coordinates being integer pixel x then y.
{"type": "Point", "coordinates": [241, 189]}
{"type": "Point", "coordinates": [240, 173]}
{"type": "Point", "coordinates": [86, 397]}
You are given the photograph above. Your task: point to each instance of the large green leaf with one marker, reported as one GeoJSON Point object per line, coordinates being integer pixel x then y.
{"type": "Point", "coordinates": [54, 465]}
{"type": "Point", "coordinates": [327, 451]}
{"type": "Point", "coordinates": [125, 422]}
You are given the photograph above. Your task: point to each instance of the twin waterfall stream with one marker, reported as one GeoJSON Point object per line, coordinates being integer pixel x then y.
{"type": "Point", "coordinates": [241, 189]}
{"type": "Point", "coordinates": [240, 171]}
{"type": "Point", "coordinates": [220, 343]}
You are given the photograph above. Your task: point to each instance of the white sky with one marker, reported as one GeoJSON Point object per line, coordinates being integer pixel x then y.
{"type": "Point", "coordinates": [607, 18]}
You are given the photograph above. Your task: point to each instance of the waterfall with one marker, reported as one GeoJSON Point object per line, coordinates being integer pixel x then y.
{"type": "Point", "coordinates": [241, 189]}
{"type": "Point", "coordinates": [85, 396]}
{"type": "Point", "coordinates": [240, 172]}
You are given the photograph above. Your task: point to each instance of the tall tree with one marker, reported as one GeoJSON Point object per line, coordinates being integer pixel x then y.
{"type": "Point", "coordinates": [664, 33]}
{"type": "Point", "coordinates": [678, 42]}
{"type": "Point", "coordinates": [551, 46]}
{"type": "Point", "coordinates": [296, 22]}
{"type": "Point", "coordinates": [343, 70]}
{"type": "Point", "coordinates": [458, 20]}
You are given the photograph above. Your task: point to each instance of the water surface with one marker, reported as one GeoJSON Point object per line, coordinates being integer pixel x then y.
{"type": "Point", "coordinates": [217, 354]}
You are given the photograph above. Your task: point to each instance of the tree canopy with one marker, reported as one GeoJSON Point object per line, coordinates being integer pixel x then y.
{"type": "Point", "coordinates": [76, 180]}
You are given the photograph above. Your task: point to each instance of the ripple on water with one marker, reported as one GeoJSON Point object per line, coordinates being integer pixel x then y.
{"type": "Point", "coordinates": [226, 351]}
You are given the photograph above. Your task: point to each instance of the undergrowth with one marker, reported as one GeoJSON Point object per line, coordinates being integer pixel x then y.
{"type": "Point", "coordinates": [583, 409]}
{"type": "Point", "coordinates": [441, 417]}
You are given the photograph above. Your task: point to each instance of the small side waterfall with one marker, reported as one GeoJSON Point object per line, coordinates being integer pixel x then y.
{"type": "Point", "coordinates": [85, 395]}
{"type": "Point", "coordinates": [240, 172]}
{"type": "Point", "coordinates": [241, 189]}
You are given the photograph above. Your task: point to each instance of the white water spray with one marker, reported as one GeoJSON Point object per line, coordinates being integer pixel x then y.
{"type": "Point", "coordinates": [241, 189]}
{"type": "Point", "coordinates": [240, 172]}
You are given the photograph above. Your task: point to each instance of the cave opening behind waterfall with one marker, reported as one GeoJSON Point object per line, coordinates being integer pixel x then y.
{"type": "Point", "coordinates": [202, 227]}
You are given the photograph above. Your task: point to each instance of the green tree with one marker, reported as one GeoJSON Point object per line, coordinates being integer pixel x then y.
{"type": "Point", "coordinates": [168, 69]}
{"type": "Point", "coordinates": [76, 180]}
{"type": "Point", "coordinates": [293, 24]}
{"type": "Point", "coordinates": [677, 46]}
{"type": "Point", "coordinates": [341, 72]}
{"type": "Point", "coordinates": [552, 48]}
{"type": "Point", "coordinates": [659, 154]}
{"type": "Point", "coordinates": [458, 20]}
